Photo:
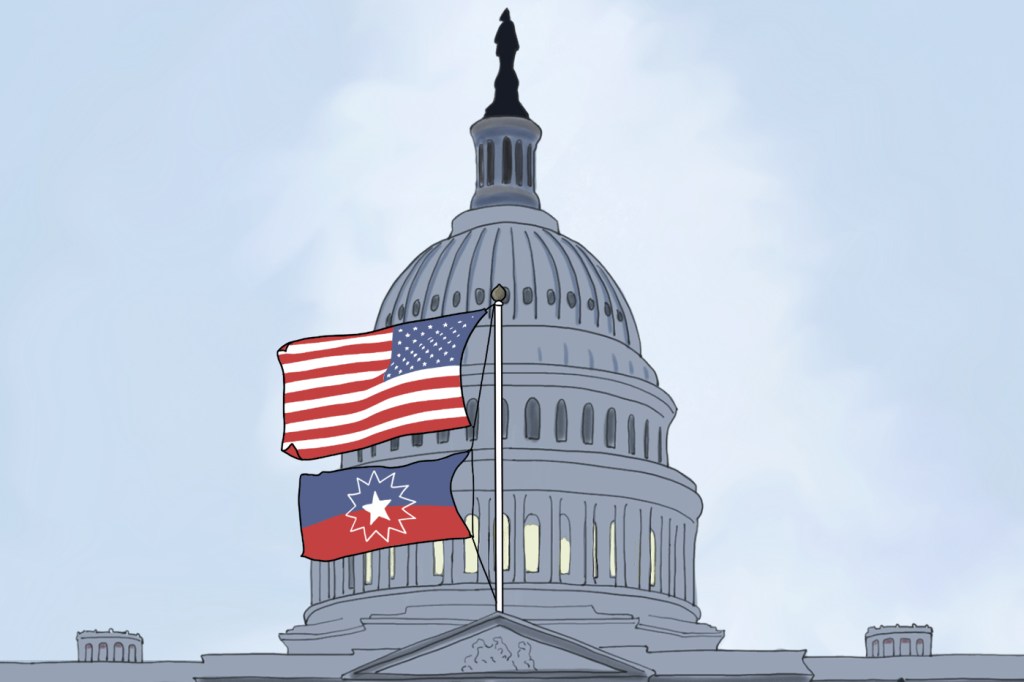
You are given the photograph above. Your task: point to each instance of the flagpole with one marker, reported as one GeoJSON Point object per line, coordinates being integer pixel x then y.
{"type": "Point", "coordinates": [498, 295]}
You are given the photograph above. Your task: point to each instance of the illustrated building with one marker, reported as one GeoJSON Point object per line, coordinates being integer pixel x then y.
{"type": "Point", "coordinates": [599, 530]}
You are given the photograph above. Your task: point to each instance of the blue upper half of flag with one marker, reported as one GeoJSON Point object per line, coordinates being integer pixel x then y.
{"type": "Point", "coordinates": [336, 493]}
{"type": "Point", "coordinates": [436, 342]}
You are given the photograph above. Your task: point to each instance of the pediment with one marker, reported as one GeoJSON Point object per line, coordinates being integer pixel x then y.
{"type": "Point", "coordinates": [499, 646]}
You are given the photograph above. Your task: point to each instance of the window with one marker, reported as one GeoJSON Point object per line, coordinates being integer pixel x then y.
{"type": "Point", "coordinates": [588, 424]}
{"type": "Point", "coordinates": [593, 547]}
{"type": "Point", "coordinates": [631, 435]}
{"type": "Point", "coordinates": [103, 652]}
{"type": "Point", "coordinates": [416, 307]}
{"type": "Point", "coordinates": [88, 652]}
{"type": "Point", "coordinates": [435, 301]}
{"type": "Point", "coordinates": [504, 419]}
{"type": "Point", "coordinates": [490, 163]}
{"type": "Point", "coordinates": [874, 648]}
{"type": "Point", "coordinates": [506, 161]}
{"type": "Point", "coordinates": [647, 439]}
{"type": "Point", "coordinates": [132, 656]}
{"type": "Point", "coordinates": [609, 428]}
{"type": "Point", "coordinates": [401, 312]}
{"type": "Point", "coordinates": [904, 646]}
{"type": "Point", "coordinates": [480, 166]}
{"type": "Point", "coordinates": [920, 647]}
{"type": "Point", "coordinates": [564, 546]}
{"type": "Point", "coordinates": [654, 558]}
{"type": "Point", "coordinates": [442, 436]}
{"type": "Point", "coordinates": [551, 297]}
{"type": "Point", "coordinates": [391, 562]}
{"type": "Point", "coordinates": [611, 549]}
{"type": "Point", "coordinates": [659, 445]}
{"type": "Point", "coordinates": [417, 440]}
{"type": "Point", "coordinates": [519, 164]}
{"type": "Point", "coordinates": [439, 557]}
{"type": "Point", "coordinates": [456, 297]}
{"type": "Point", "coordinates": [533, 419]}
{"type": "Point", "coordinates": [505, 560]}
{"type": "Point", "coordinates": [350, 570]}
{"type": "Point", "coordinates": [471, 413]}
{"type": "Point", "coordinates": [529, 165]}
{"type": "Point", "coordinates": [570, 298]}
{"type": "Point", "coordinates": [394, 444]}
{"type": "Point", "coordinates": [368, 568]}
{"type": "Point", "coordinates": [531, 543]}
{"type": "Point", "coordinates": [118, 651]}
{"type": "Point", "coordinates": [469, 549]}
{"type": "Point", "coordinates": [561, 422]}
{"type": "Point", "coordinates": [527, 295]}
{"type": "Point", "coordinates": [887, 646]}
{"type": "Point", "coordinates": [373, 451]}
{"type": "Point", "coordinates": [479, 293]}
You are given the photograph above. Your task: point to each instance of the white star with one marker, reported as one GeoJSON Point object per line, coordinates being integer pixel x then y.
{"type": "Point", "coordinates": [378, 508]}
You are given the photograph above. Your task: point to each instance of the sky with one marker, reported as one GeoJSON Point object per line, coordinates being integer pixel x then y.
{"type": "Point", "coordinates": [814, 210]}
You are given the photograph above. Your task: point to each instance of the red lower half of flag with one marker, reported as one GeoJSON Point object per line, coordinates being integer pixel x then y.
{"type": "Point", "coordinates": [348, 534]}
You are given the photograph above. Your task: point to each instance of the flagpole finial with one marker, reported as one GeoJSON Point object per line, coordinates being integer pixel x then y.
{"type": "Point", "coordinates": [499, 294]}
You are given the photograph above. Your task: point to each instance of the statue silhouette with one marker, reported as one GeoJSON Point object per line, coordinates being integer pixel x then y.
{"type": "Point", "coordinates": [506, 84]}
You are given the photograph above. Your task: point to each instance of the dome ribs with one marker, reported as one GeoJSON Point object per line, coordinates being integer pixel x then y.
{"type": "Point", "coordinates": [620, 304]}
{"type": "Point", "coordinates": [536, 235]}
{"type": "Point", "coordinates": [569, 267]}
{"type": "Point", "coordinates": [590, 279]}
{"type": "Point", "coordinates": [533, 270]}
{"type": "Point", "coordinates": [435, 271]}
{"type": "Point", "coordinates": [445, 301]}
{"type": "Point", "coordinates": [414, 280]}
{"type": "Point", "coordinates": [493, 281]}
{"type": "Point", "coordinates": [473, 261]}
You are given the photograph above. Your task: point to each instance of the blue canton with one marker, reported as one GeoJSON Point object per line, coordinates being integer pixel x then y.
{"type": "Point", "coordinates": [424, 344]}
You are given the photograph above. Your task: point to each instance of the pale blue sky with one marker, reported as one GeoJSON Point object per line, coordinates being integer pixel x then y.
{"type": "Point", "coordinates": [834, 187]}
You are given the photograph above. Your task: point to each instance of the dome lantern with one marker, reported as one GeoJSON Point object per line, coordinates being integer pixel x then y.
{"type": "Point", "coordinates": [506, 139]}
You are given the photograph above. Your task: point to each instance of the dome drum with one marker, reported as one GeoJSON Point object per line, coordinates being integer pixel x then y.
{"type": "Point", "coordinates": [505, 164]}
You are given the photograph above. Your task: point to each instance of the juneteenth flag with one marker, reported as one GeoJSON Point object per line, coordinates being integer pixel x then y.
{"type": "Point", "coordinates": [351, 511]}
{"type": "Point", "coordinates": [343, 393]}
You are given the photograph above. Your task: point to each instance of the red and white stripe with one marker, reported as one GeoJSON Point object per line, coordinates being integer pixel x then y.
{"type": "Point", "coordinates": [336, 399]}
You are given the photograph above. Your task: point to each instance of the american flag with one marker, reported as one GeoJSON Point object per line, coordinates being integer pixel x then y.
{"type": "Point", "coordinates": [343, 393]}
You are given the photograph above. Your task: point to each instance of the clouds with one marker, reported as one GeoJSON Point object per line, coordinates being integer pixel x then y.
{"type": "Point", "coordinates": [241, 198]}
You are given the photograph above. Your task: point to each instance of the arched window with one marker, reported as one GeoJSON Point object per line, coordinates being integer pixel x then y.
{"type": "Point", "coordinates": [438, 557]}
{"type": "Point", "coordinates": [103, 652]}
{"type": "Point", "coordinates": [529, 165]}
{"type": "Point", "coordinates": [611, 549]}
{"type": "Point", "coordinates": [561, 422]}
{"type": "Point", "coordinates": [480, 166]}
{"type": "Point", "coordinates": [531, 543]}
{"type": "Point", "coordinates": [519, 162]}
{"type": "Point", "coordinates": [593, 547]}
{"type": "Point", "coordinates": [504, 419]}
{"type": "Point", "coordinates": [132, 655]}
{"type": "Point", "coordinates": [904, 646]}
{"type": "Point", "coordinates": [88, 652]}
{"type": "Point", "coordinates": [631, 435]}
{"type": "Point", "coordinates": [505, 547]}
{"type": "Point", "coordinates": [654, 558]}
{"type": "Point", "coordinates": [588, 424]}
{"type": "Point", "coordinates": [609, 427]}
{"type": "Point", "coordinates": [490, 164]}
{"type": "Point", "coordinates": [506, 161]}
{"type": "Point", "coordinates": [874, 648]}
{"type": "Point", "coordinates": [920, 647]}
{"type": "Point", "coordinates": [887, 646]}
{"type": "Point", "coordinates": [471, 414]}
{"type": "Point", "coordinates": [647, 439]}
{"type": "Point", "coordinates": [119, 652]}
{"type": "Point", "coordinates": [564, 545]}
{"type": "Point", "coordinates": [469, 549]}
{"type": "Point", "coordinates": [533, 419]}
{"type": "Point", "coordinates": [391, 562]}
{"type": "Point", "coordinates": [367, 568]}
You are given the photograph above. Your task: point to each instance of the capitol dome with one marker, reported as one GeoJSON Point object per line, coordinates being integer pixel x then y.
{"type": "Point", "coordinates": [598, 532]}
